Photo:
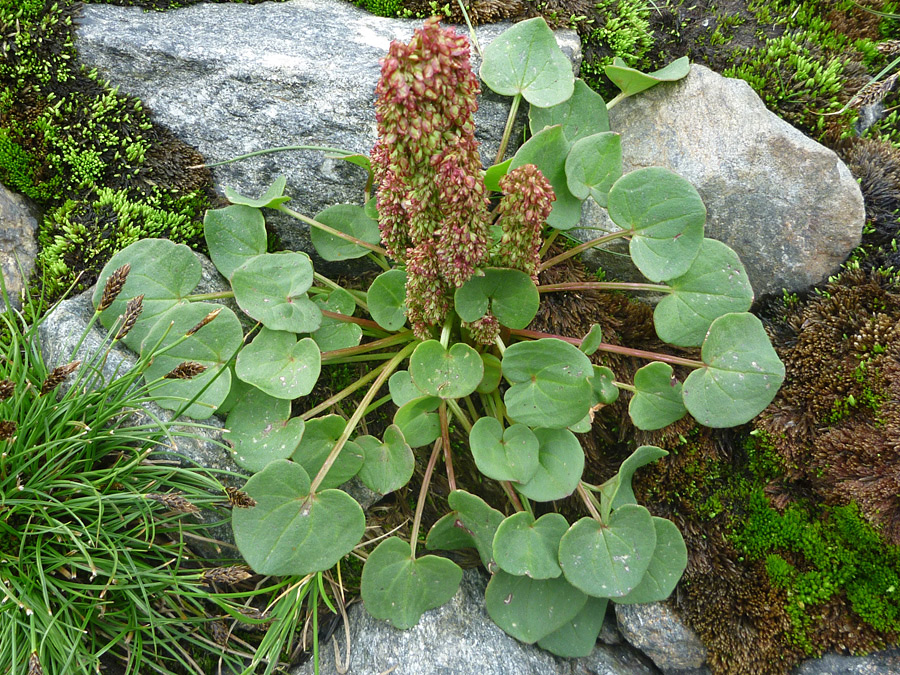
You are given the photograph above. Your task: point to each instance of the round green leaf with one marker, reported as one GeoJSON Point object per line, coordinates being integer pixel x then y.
{"type": "Point", "coordinates": [603, 388]}
{"type": "Point", "coordinates": [715, 284]}
{"type": "Point", "coordinates": [212, 346]}
{"type": "Point", "coordinates": [578, 638]}
{"type": "Point", "coordinates": [403, 389]}
{"type": "Point", "coordinates": [349, 219]}
{"type": "Point", "coordinates": [480, 521]}
{"type": "Point", "coordinates": [510, 295]}
{"type": "Point", "coordinates": [400, 588]}
{"type": "Point", "coordinates": [280, 365]}
{"type": "Point", "coordinates": [657, 401]}
{"type": "Point", "coordinates": [525, 59]}
{"type": "Point", "coordinates": [162, 271]}
{"type": "Point", "coordinates": [234, 235]}
{"type": "Point", "coordinates": [272, 287]}
{"type": "Point", "coordinates": [561, 463]}
{"type": "Point", "coordinates": [617, 491]}
{"type": "Point", "coordinates": [547, 150]}
{"type": "Point", "coordinates": [527, 547]}
{"type": "Point", "coordinates": [529, 609]}
{"type": "Point", "coordinates": [388, 465]}
{"type": "Point", "coordinates": [632, 81]}
{"type": "Point", "coordinates": [593, 165]}
{"type": "Point", "coordinates": [666, 217]}
{"type": "Point", "coordinates": [318, 440]}
{"type": "Point", "coordinates": [510, 454]}
{"type": "Point", "coordinates": [608, 561]}
{"type": "Point", "coordinates": [549, 383]}
{"type": "Point", "coordinates": [583, 114]}
{"type": "Point", "coordinates": [387, 299]}
{"type": "Point", "coordinates": [290, 532]}
{"type": "Point", "coordinates": [448, 534]}
{"type": "Point", "coordinates": [494, 173]}
{"type": "Point", "coordinates": [334, 333]}
{"type": "Point", "coordinates": [742, 374]}
{"type": "Point", "coordinates": [419, 425]}
{"type": "Point", "coordinates": [452, 373]}
{"type": "Point", "coordinates": [591, 342]}
{"type": "Point", "coordinates": [260, 430]}
{"type": "Point", "coordinates": [272, 199]}
{"type": "Point", "coordinates": [492, 374]}
{"type": "Point", "coordinates": [666, 567]}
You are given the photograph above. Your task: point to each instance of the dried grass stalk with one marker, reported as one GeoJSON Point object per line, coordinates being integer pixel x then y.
{"type": "Point", "coordinates": [174, 501]}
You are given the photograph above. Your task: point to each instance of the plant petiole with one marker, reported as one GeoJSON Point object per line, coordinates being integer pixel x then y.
{"type": "Point", "coordinates": [330, 230]}
{"type": "Point", "coordinates": [507, 131]}
{"type": "Point", "coordinates": [423, 491]}
{"type": "Point", "coordinates": [575, 250]}
{"type": "Point", "coordinates": [604, 286]}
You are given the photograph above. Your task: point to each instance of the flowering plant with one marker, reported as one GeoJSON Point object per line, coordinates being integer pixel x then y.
{"type": "Point", "coordinates": [464, 276]}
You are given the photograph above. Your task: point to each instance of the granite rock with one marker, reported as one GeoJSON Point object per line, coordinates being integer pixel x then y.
{"type": "Point", "coordinates": [878, 663]}
{"type": "Point", "coordinates": [658, 632]}
{"type": "Point", "coordinates": [19, 222]}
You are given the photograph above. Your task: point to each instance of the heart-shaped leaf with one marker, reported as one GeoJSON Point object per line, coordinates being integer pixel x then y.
{"type": "Point", "coordinates": [742, 376]}
{"type": "Point", "coordinates": [547, 150]}
{"type": "Point", "coordinates": [448, 534]}
{"type": "Point", "coordinates": [272, 199]}
{"type": "Point", "coordinates": [526, 60]}
{"type": "Point", "coordinates": [417, 421]}
{"type": "Point", "coordinates": [334, 333]}
{"type": "Point", "coordinates": [560, 465]}
{"type": "Point", "coordinates": [592, 166]}
{"type": "Point", "coordinates": [510, 295]}
{"type": "Point", "coordinates": [608, 561]}
{"type": "Point", "coordinates": [403, 389]}
{"type": "Point", "coordinates": [583, 114]}
{"type": "Point", "coordinates": [494, 173]}
{"type": "Point", "coordinates": [591, 342]}
{"type": "Point", "coordinates": [452, 373]}
{"type": "Point", "coordinates": [657, 400]}
{"type": "Point", "coordinates": [387, 299]}
{"type": "Point", "coordinates": [290, 532]}
{"type": "Point", "coordinates": [527, 547]}
{"type": "Point", "coordinates": [715, 284]}
{"type": "Point", "coordinates": [492, 374]}
{"type": "Point", "coordinates": [279, 364]}
{"type": "Point", "coordinates": [510, 454]}
{"type": "Point", "coordinates": [632, 81]}
{"type": "Point", "coordinates": [388, 465]}
{"type": "Point", "coordinates": [317, 443]}
{"type": "Point", "coordinates": [550, 383]}
{"type": "Point", "coordinates": [212, 347]}
{"type": "Point", "coordinates": [400, 588]}
{"type": "Point", "coordinates": [349, 219]}
{"type": "Point", "coordinates": [578, 638]}
{"type": "Point", "coordinates": [162, 271]}
{"type": "Point", "coordinates": [617, 491]}
{"type": "Point", "coordinates": [260, 430]}
{"type": "Point", "coordinates": [480, 521]}
{"type": "Point", "coordinates": [666, 567]}
{"type": "Point", "coordinates": [603, 388]}
{"type": "Point", "coordinates": [666, 216]}
{"type": "Point", "coordinates": [529, 609]}
{"type": "Point", "coordinates": [234, 235]}
{"type": "Point", "coordinates": [272, 287]}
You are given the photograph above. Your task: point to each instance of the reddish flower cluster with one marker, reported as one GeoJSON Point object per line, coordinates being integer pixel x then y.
{"type": "Point", "coordinates": [528, 198]}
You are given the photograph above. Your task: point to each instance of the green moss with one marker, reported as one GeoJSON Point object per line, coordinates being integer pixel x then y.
{"type": "Point", "coordinates": [626, 33]}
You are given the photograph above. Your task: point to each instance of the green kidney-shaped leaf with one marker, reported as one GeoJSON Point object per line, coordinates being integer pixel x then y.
{"type": "Point", "coordinates": [526, 60]}
{"type": "Point", "coordinates": [290, 532]}
{"type": "Point", "coordinates": [666, 567]}
{"type": "Point", "coordinates": [578, 637]}
{"type": "Point", "coordinates": [583, 114]}
{"type": "Point", "coordinates": [260, 430]}
{"type": "Point", "coordinates": [550, 383]}
{"type": "Point", "coordinates": [400, 588]}
{"type": "Point", "coordinates": [603, 388]}
{"type": "Point", "coordinates": [212, 347]}
{"type": "Point", "coordinates": [452, 373]}
{"type": "Point", "coordinates": [510, 295]}
{"type": "Point", "coordinates": [665, 214]}
{"type": "Point", "coordinates": [334, 333]}
{"type": "Point", "coordinates": [632, 81]}
{"type": "Point", "coordinates": [608, 561]}
{"type": "Point", "coordinates": [389, 464]}
{"type": "Point", "coordinates": [560, 465]}
{"type": "Point", "coordinates": [591, 342]}
{"type": "Point", "coordinates": [318, 440]}
{"type": "Point", "coordinates": [510, 454]}
{"type": "Point", "coordinates": [234, 235]}
{"type": "Point", "coordinates": [279, 364]}
{"type": "Point", "coordinates": [480, 521]}
{"type": "Point", "coordinates": [715, 284]}
{"type": "Point", "coordinates": [657, 400]}
{"type": "Point", "coordinates": [387, 299]}
{"type": "Point", "coordinates": [272, 199]}
{"type": "Point", "coordinates": [742, 374]}
{"type": "Point", "coordinates": [547, 150]}
{"type": "Point", "coordinates": [492, 374]}
{"type": "Point", "coordinates": [403, 389]}
{"type": "Point", "coordinates": [272, 287]}
{"type": "Point", "coordinates": [529, 609]}
{"type": "Point", "coordinates": [162, 271]}
{"type": "Point", "coordinates": [527, 547]}
{"type": "Point", "coordinates": [417, 421]}
{"type": "Point", "coordinates": [617, 491]}
{"type": "Point", "coordinates": [593, 165]}
{"type": "Point", "coordinates": [448, 534]}
{"type": "Point", "coordinates": [494, 173]}
{"type": "Point", "coordinates": [349, 219]}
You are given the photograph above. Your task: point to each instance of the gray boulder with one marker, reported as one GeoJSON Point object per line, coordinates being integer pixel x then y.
{"type": "Point", "coordinates": [19, 221]}
{"type": "Point", "coordinates": [230, 79]}
{"type": "Point", "coordinates": [659, 633]}
{"type": "Point", "coordinates": [460, 638]}
{"type": "Point", "coordinates": [786, 204]}
{"type": "Point", "coordinates": [879, 663]}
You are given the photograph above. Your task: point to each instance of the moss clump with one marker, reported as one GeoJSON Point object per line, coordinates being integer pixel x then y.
{"type": "Point", "coordinates": [620, 28]}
